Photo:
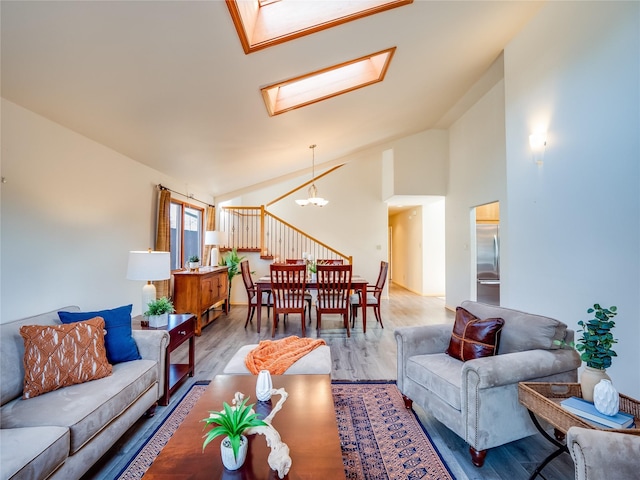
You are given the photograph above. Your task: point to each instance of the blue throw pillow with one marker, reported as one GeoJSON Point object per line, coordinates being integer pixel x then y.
{"type": "Point", "coordinates": [120, 345]}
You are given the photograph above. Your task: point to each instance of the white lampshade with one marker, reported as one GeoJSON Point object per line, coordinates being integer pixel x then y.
{"type": "Point", "coordinates": [215, 237]}
{"type": "Point", "coordinates": [149, 266]}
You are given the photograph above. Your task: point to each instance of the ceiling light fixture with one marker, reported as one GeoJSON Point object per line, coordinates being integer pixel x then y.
{"type": "Point", "coordinates": [313, 198]}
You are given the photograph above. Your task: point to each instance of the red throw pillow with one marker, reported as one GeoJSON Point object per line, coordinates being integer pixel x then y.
{"type": "Point", "coordinates": [474, 338]}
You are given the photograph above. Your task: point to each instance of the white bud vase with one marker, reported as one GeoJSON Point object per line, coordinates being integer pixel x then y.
{"type": "Point", "coordinates": [606, 398]}
{"type": "Point", "coordinates": [264, 386]}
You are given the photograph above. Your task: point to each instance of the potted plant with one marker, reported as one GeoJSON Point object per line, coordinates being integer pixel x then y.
{"type": "Point", "coordinates": [194, 262]}
{"type": "Point", "coordinates": [158, 312]}
{"type": "Point", "coordinates": [232, 422]}
{"type": "Point", "coordinates": [594, 347]}
{"type": "Point", "coordinates": [232, 261]}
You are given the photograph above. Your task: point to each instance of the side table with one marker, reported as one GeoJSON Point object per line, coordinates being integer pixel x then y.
{"type": "Point", "coordinates": [181, 328]}
{"type": "Point", "coordinates": [543, 400]}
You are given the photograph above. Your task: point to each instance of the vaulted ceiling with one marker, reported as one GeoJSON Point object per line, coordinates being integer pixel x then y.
{"type": "Point", "coordinates": [168, 84]}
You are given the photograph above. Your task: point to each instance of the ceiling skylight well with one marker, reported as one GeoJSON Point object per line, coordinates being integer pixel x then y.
{"type": "Point", "coordinates": [329, 82]}
{"type": "Point", "coordinates": [261, 24]}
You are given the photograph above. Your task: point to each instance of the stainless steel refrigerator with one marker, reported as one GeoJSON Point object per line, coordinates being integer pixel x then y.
{"type": "Point", "coordinates": [488, 263]}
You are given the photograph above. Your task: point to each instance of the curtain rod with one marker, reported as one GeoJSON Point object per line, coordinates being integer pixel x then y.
{"type": "Point", "coordinates": [190, 197]}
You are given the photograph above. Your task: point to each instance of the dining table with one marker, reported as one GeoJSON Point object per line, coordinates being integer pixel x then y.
{"type": "Point", "coordinates": [358, 283]}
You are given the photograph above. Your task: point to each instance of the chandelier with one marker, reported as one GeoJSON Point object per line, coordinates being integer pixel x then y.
{"type": "Point", "coordinates": [313, 197]}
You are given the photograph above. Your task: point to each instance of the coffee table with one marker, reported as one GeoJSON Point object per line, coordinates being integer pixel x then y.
{"type": "Point", "coordinates": [306, 423]}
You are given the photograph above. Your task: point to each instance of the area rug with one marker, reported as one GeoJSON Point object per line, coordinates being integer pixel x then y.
{"type": "Point", "coordinates": [380, 438]}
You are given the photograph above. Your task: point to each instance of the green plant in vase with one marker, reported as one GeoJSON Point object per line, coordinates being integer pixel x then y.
{"type": "Point", "coordinates": [232, 422]}
{"type": "Point", "coordinates": [158, 312]}
{"type": "Point", "coordinates": [595, 347]}
{"type": "Point", "coordinates": [596, 341]}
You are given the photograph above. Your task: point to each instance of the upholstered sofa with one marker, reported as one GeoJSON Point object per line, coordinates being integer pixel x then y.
{"type": "Point", "coordinates": [62, 433]}
{"type": "Point", "coordinates": [599, 454]}
{"type": "Point", "coordinates": [478, 398]}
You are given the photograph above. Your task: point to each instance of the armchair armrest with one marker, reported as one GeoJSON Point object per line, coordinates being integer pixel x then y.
{"type": "Point", "coordinates": [599, 454]}
{"type": "Point", "coordinates": [517, 367]}
{"type": "Point", "coordinates": [152, 345]}
{"type": "Point", "coordinates": [421, 340]}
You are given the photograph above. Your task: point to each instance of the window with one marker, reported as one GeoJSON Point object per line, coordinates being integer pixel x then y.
{"type": "Point", "coordinates": [186, 232]}
{"type": "Point", "coordinates": [266, 23]}
{"type": "Point", "coordinates": [327, 83]}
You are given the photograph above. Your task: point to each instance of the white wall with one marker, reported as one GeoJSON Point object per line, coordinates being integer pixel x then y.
{"type": "Point", "coordinates": [574, 222]}
{"type": "Point", "coordinates": [420, 163]}
{"type": "Point", "coordinates": [477, 175]}
{"type": "Point", "coordinates": [433, 241]}
{"type": "Point", "coordinates": [71, 211]}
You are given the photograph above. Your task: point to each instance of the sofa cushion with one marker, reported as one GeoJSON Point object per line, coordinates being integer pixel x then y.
{"type": "Point", "coordinates": [522, 331]}
{"type": "Point", "coordinates": [474, 337]}
{"type": "Point", "coordinates": [62, 355]}
{"type": "Point", "coordinates": [439, 373]}
{"type": "Point", "coordinates": [33, 452]}
{"type": "Point", "coordinates": [120, 344]}
{"type": "Point", "coordinates": [86, 408]}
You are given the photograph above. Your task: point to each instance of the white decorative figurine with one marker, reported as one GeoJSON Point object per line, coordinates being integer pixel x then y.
{"type": "Point", "coordinates": [606, 398]}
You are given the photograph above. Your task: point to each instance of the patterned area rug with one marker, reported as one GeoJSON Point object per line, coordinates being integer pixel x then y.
{"type": "Point", "coordinates": [380, 438]}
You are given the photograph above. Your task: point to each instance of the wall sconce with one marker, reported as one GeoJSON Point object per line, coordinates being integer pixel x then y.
{"type": "Point", "coordinates": [538, 144]}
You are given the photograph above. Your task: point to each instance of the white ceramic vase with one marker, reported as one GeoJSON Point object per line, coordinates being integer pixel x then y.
{"type": "Point", "coordinates": [228, 460]}
{"type": "Point", "coordinates": [589, 378]}
{"type": "Point", "coordinates": [264, 386]}
{"type": "Point", "coordinates": [606, 398]}
{"type": "Point", "coordinates": [157, 321]}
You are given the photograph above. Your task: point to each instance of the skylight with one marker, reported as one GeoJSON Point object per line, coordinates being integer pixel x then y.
{"type": "Point", "coordinates": [326, 83]}
{"type": "Point", "coordinates": [261, 24]}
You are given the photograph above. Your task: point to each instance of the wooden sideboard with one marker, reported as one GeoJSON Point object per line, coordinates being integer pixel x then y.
{"type": "Point", "coordinates": [198, 291]}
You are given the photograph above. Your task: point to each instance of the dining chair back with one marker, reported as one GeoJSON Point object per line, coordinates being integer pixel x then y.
{"type": "Point", "coordinates": [308, 298]}
{"type": "Point", "coordinates": [331, 261]}
{"type": "Point", "coordinates": [374, 294]}
{"type": "Point", "coordinates": [334, 287]}
{"type": "Point", "coordinates": [252, 299]}
{"type": "Point", "coordinates": [288, 283]}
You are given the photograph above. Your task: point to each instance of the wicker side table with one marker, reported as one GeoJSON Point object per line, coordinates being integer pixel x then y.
{"type": "Point", "coordinates": [543, 401]}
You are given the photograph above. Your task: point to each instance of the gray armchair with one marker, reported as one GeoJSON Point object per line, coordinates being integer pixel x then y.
{"type": "Point", "coordinates": [478, 399]}
{"type": "Point", "coordinates": [600, 454]}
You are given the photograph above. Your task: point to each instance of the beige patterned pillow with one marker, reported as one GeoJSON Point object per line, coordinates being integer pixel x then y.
{"type": "Point", "coordinates": [62, 355]}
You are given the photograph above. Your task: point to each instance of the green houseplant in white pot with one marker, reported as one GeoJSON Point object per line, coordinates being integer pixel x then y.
{"type": "Point", "coordinates": [158, 312]}
{"type": "Point", "coordinates": [232, 423]}
{"type": "Point", "coordinates": [194, 262]}
{"type": "Point", "coordinates": [595, 349]}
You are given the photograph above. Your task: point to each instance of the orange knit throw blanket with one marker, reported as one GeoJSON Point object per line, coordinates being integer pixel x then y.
{"type": "Point", "coordinates": [278, 355]}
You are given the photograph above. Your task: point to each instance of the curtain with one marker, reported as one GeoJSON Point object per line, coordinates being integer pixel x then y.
{"type": "Point", "coordinates": [163, 236]}
{"type": "Point", "coordinates": [209, 224]}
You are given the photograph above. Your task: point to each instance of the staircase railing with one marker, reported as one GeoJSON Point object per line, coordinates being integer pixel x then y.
{"type": "Point", "coordinates": [254, 229]}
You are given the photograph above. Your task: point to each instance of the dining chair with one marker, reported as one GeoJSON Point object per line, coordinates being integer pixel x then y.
{"type": "Point", "coordinates": [334, 287]}
{"type": "Point", "coordinates": [288, 283]}
{"type": "Point", "coordinates": [374, 294]}
{"type": "Point", "coordinates": [307, 294]}
{"type": "Point", "coordinates": [331, 261]}
{"type": "Point", "coordinates": [252, 293]}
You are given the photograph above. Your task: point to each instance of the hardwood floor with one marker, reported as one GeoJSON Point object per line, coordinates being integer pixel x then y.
{"type": "Point", "coordinates": [370, 356]}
